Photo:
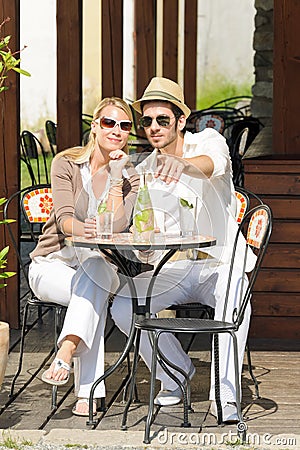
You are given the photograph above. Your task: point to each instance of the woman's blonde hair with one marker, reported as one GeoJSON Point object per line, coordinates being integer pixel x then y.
{"type": "Point", "coordinates": [83, 154]}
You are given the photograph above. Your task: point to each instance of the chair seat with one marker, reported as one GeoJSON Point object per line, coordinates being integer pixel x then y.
{"type": "Point", "coordinates": [34, 301]}
{"type": "Point", "coordinates": [185, 325]}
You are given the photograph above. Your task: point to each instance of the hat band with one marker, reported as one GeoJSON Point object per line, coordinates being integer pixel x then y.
{"type": "Point", "coordinates": [162, 94]}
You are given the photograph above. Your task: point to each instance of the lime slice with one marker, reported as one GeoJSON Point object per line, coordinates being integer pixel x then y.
{"type": "Point", "coordinates": [102, 207]}
{"type": "Point", "coordinates": [186, 204]}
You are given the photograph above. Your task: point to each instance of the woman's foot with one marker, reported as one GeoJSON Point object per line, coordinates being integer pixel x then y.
{"type": "Point", "coordinates": [59, 371]}
{"type": "Point", "coordinates": [81, 407]}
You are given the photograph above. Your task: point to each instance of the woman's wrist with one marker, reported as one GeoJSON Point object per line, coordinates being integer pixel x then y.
{"type": "Point", "coordinates": [115, 181]}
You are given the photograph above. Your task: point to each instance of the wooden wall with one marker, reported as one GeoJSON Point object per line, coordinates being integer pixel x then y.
{"type": "Point", "coordinates": [9, 158]}
{"type": "Point", "coordinates": [286, 76]}
{"type": "Point", "coordinates": [276, 299]}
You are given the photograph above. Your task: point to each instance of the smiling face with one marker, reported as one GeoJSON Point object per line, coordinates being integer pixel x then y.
{"type": "Point", "coordinates": [109, 139]}
{"type": "Point", "coordinates": [162, 136]}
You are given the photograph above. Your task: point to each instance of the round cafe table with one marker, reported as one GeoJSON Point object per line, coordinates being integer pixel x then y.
{"type": "Point", "coordinates": [112, 249]}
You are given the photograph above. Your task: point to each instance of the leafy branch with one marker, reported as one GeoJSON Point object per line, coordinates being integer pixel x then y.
{"type": "Point", "coordinates": [8, 59]}
{"type": "Point", "coordinates": [4, 252]}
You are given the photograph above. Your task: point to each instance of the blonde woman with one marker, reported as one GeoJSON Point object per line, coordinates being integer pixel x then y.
{"type": "Point", "coordinates": [82, 278]}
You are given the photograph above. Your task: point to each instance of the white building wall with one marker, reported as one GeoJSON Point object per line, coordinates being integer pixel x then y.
{"type": "Point", "coordinates": [225, 38]}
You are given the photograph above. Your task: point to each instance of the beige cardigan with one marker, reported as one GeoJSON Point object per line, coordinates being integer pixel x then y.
{"type": "Point", "coordinates": [71, 200]}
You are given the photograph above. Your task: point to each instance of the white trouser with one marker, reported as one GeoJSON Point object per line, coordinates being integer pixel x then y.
{"type": "Point", "coordinates": [186, 282]}
{"type": "Point", "coordinates": [85, 289]}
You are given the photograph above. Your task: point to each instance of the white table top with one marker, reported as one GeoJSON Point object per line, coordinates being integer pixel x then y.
{"type": "Point", "coordinates": [125, 241]}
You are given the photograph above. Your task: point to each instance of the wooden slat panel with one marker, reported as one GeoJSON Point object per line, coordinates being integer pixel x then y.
{"type": "Point", "coordinates": [170, 39]}
{"type": "Point", "coordinates": [278, 280]}
{"type": "Point", "coordinates": [283, 256]}
{"type": "Point", "coordinates": [112, 48]}
{"type": "Point", "coordinates": [275, 304]}
{"type": "Point", "coordinates": [145, 29]}
{"type": "Point", "coordinates": [284, 208]}
{"type": "Point", "coordinates": [279, 327]}
{"type": "Point", "coordinates": [277, 184]}
{"type": "Point", "coordinates": [69, 73]}
{"type": "Point", "coordinates": [273, 164]}
{"type": "Point", "coordinates": [284, 231]}
{"type": "Point", "coordinates": [9, 156]}
{"type": "Point", "coordinates": [190, 53]}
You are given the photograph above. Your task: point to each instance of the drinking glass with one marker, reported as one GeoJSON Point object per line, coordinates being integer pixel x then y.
{"type": "Point", "coordinates": [188, 211]}
{"type": "Point", "coordinates": [104, 221]}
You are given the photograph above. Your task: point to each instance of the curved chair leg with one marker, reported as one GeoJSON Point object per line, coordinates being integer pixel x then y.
{"type": "Point", "coordinates": [217, 379]}
{"type": "Point", "coordinates": [25, 314]}
{"type": "Point", "coordinates": [152, 389]}
{"type": "Point", "coordinates": [132, 379]}
{"type": "Point", "coordinates": [57, 317]}
{"type": "Point", "coordinates": [125, 389]}
{"type": "Point", "coordinates": [254, 379]}
{"type": "Point", "coordinates": [241, 426]}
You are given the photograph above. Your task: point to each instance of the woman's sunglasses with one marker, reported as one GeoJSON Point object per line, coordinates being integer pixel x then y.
{"type": "Point", "coordinates": [107, 123]}
{"type": "Point", "coordinates": [162, 120]}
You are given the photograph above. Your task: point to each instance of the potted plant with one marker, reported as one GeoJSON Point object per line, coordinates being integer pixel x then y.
{"type": "Point", "coordinates": [8, 61]}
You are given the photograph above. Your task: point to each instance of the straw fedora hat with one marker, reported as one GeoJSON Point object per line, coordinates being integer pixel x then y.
{"type": "Point", "coordinates": [163, 89]}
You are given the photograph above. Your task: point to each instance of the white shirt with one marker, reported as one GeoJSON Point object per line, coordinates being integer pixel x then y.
{"type": "Point", "coordinates": [216, 216]}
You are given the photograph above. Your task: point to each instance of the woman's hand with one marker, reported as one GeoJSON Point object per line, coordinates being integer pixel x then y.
{"type": "Point", "coordinates": [90, 229]}
{"type": "Point", "coordinates": [118, 160]}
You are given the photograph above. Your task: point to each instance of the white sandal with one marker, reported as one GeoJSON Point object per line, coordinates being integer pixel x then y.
{"type": "Point", "coordinates": [86, 401]}
{"type": "Point", "coordinates": [58, 364]}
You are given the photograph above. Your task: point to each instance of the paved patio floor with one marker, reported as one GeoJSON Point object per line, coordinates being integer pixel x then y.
{"type": "Point", "coordinates": [273, 420]}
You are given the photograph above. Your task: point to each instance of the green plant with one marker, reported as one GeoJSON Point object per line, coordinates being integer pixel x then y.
{"type": "Point", "coordinates": [217, 88]}
{"type": "Point", "coordinates": [9, 442]}
{"type": "Point", "coordinates": [8, 59]}
{"type": "Point", "coordinates": [4, 252]}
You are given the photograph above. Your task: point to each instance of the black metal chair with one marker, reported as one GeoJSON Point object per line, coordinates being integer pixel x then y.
{"type": "Point", "coordinates": [240, 102]}
{"type": "Point", "coordinates": [257, 227]}
{"type": "Point", "coordinates": [239, 136]}
{"type": "Point", "coordinates": [35, 157]}
{"type": "Point", "coordinates": [244, 199]}
{"type": "Point", "coordinates": [35, 204]}
{"type": "Point", "coordinates": [219, 118]}
{"type": "Point", "coordinates": [51, 129]}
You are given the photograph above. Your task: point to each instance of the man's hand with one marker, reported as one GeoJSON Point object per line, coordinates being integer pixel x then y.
{"type": "Point", "coordinates": [169, 168]}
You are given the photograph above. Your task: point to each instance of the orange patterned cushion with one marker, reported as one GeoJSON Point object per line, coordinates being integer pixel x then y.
{"type": "Point", "coordinates": [257, 228]}
{"type": "Point", "coordinates": [38, 204]}
{"type": "Point", "coordinates": [241, 206]}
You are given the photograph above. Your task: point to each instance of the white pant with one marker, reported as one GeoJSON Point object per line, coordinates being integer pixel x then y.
{"type": "Point", "coordinates": [84, 287]}
{"type": "Point", "coordinates": [185, 282]}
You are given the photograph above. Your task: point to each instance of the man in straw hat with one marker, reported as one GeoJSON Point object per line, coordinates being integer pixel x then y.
{"type": "Point", "coordinates": [182, 163]}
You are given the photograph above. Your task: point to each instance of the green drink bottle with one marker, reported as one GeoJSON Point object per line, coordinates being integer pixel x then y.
{"type": "Point", "coordinates": [143, 214]}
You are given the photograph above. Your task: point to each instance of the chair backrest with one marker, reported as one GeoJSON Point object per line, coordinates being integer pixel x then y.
{"type": "Point", "coordinates": [51, 128]}
{"type": "Point", "coordinates": [35, 157]}
{"type": "Point", "coordinates": [209, 121]}
{"type": "Point", "coordinates": [243, 204]}
{"type": "Point", "coordinates": [239, 136]}
{"type": "Point", "coordinates": [256, 227]}
{"type": "Point", "coordinates": [221, 118]}
{"type": "Point", "coordinates": [86, 121]}
{"type": "Point", "coordinates": [35, 204]}
{"type": "Point", "coordinates": [240, 102]}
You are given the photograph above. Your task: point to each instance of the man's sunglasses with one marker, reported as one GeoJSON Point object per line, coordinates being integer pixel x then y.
{"type": "Point", "coordinates": [162, 120]}
{"type": "Point", "coordinates": [107, 123]}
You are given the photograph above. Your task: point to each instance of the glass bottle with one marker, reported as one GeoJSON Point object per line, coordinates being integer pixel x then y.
{"type": "Point", "coordinates": [143, 214]}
